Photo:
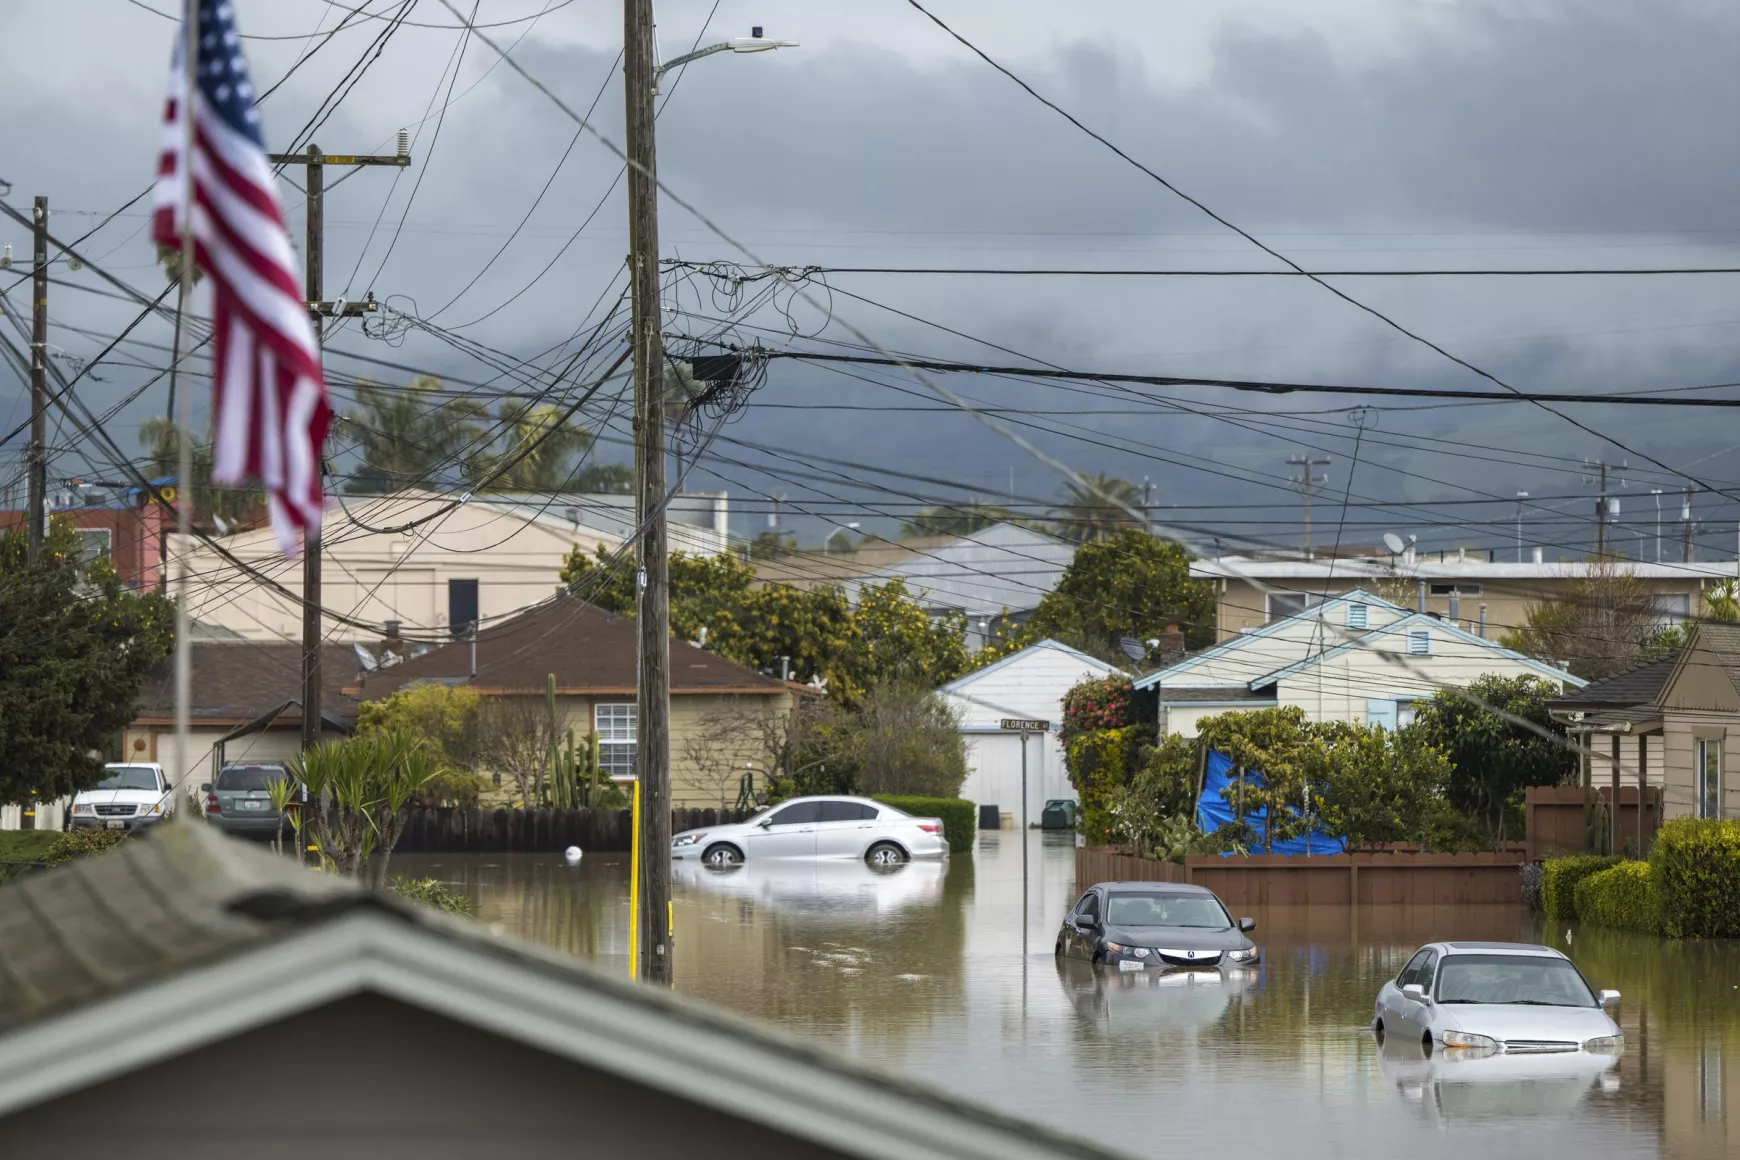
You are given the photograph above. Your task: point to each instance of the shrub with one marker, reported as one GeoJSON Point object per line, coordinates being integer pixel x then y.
{"type": "Point", "coordinates": [434, 892]}
{"type": "Point", "coordinates": [1621, 897]}
{"type": "Point", "coordinates": [81, 843]}
{"type": "Point", "coordinates": [959, 817]}
{"type": "Point", "coordinates": [1099, 766]}
{"type": "Point", "coordinates": [1097, 705]}
{"type": "Point", "coordinates": [1559, 878]}
{"type": "Point", "coordinates": [1531, 885]}
{"type": "Point", "coordinates": [22, 851]}
{"type": "Point", "coordinates": [1695, 869]}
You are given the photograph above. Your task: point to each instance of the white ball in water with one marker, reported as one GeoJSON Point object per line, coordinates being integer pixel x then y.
{"type": "Point", "coordinates": [571, 855]}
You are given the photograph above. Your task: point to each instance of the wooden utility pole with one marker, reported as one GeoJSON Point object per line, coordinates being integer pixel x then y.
{"type": "Point", "coordinates": [313, 257]}
{"type": "Point", "coordinates": [652, 692]}
{"type": "Point", "coordinates": [1307, 481]}
{"type": "Point", "coordinates": [1597, 472]}
{"type": "Point", "coordinates": [36, 466]}
{"type": "Point", "coordinates": [1686, 528]}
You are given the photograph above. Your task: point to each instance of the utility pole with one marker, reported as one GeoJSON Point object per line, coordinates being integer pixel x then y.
{"type": "Point", "coordinates": [1686, 528]}
{"type": "Point", "coordinates": [1656, 491]}
{"type": "Point", "coordinates": [1596, 471]}
{"type": "Point", "coordinates": [319, 310]}
{"type": "Point", "coordinates": [652, 689]}
{"type": "Point", "coordinates": [36, 469]}
{"type": "Point", "coordinates": [1307, 481]}
{"type": "Point", "coordinates": [1520, 496]}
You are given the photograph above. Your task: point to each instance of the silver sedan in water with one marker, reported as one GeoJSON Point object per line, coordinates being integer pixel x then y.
{"type": "Point", "coordinates": [818, 827]}
{"type": "Point", "coordinates": [1487, 997]}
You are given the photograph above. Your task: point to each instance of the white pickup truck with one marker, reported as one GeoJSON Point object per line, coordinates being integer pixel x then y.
{"type": "Point", "coordinates": [133, 795]}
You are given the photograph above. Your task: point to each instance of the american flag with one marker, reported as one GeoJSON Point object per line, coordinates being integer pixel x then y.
{"type": "Point", "coordinates": [270, 413]}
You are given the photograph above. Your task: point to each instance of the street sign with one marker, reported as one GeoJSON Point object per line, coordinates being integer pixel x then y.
{"type": "Point", "coordinates": [1016, 726]}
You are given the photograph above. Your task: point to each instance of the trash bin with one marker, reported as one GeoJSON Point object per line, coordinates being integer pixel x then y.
{"type": "Point", "coordinates": [1059, 814]}
{"type": "Point", "coordinates": [989, 818]}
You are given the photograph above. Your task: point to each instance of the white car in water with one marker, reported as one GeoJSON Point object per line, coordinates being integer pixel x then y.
{"type": "Point", "coordinates": [818, 827]}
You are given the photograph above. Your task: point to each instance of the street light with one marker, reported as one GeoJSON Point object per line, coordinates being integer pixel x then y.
{"type": "Point", "coordinates": [751, 43]}
{"type": "Point", "coordinates": [1656, 491]}
{"type": "Point", "coordinates": [1520, 496]}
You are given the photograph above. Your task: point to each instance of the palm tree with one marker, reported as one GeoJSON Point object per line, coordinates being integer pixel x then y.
{"type": "Point", "coordinates": [535, 448]}
{"type": "Point", "coordinates": [408, 435]}
{"type": "Point", "coordinates": [1097, 507]}
{"type": "Point", "coordinates": [961, 519]}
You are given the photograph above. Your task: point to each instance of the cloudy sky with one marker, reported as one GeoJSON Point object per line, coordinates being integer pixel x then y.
{"type": "Point", "coordinates": [1347, 134]}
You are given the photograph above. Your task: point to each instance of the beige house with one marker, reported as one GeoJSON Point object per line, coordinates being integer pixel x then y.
{"type": "Point", "coordinates": [1468, 588]}
{"type": "Point", "coordinates": [726, 720]}
{"type": "Point", "coordinates": [1673, 723]}
{"type": "Point", "coordinates": [1355, 658]}
{"type": "Point", "coordinates": [432, 563]}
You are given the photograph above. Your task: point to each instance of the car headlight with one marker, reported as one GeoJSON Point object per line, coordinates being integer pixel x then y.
{"type": "Point", "coordinates": [84, 808]}
{"type": "Point", "coordinates": [156, 808]}
{"type": "Point", "coordinates": [1468, 1039]}
{"type": "Point", "coordinates": [1122, 949]}
{"type": "Point", "coordinates": [687, 839]}
{"type": "Point", "coordinates": [1605, 1044]}
{"type": "Point", "coordinates": [1247, 955]}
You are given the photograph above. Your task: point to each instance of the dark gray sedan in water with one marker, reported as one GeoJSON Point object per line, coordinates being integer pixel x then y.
{"type": "Point", "coordinates": [1142, 926]}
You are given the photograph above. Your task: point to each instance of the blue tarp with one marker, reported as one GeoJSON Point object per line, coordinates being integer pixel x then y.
{"type": "Point", "coordinates": [1214, 811]}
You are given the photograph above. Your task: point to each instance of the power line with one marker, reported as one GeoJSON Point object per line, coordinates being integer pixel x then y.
{"type": "Point", "coordinates": [1070, 272]}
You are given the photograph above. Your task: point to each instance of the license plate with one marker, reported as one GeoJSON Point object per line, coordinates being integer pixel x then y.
{"type": "Point", "coordinates": [115, 825]}
{"type": "Point", "coordinates": [1127, 965]}
{"type": "Point", "coordinates": [251, 805]}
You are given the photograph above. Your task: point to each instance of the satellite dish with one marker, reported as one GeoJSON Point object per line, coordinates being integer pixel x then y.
{"type": "Point", "coordinates": [1133, 648]}
{"type": "Point", "coordinates": [1394, 543]}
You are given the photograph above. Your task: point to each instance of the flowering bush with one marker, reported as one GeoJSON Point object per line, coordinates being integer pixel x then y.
{"type": "Point", "coordinates": [1107, 703]}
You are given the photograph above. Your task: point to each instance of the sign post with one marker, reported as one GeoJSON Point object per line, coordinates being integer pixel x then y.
{"type": "Point", "coordinates": [1026, 729]}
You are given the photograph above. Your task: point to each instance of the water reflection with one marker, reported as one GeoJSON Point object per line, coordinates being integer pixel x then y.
{"type": "Point", "coordinates": [941, 972]}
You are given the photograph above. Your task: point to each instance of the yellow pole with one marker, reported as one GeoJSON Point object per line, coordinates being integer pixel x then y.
{"type": "Point", "coordinates": [634, 886]}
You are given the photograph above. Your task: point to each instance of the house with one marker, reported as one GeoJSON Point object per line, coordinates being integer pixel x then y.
{"type": "Point", "coordinates": [117, 522]}
{"type": "Point", "coordinates": [1672, 722]}
{"type": "Point", "coordinates": [997, 574]}
{"type": "Point", "coordinates": [430, 563]}
{"type": "Point", "coordinates": [805, 570]}
{"type": "Point", "coordinates": [246, 706]}
{"type": "Point", "coordinates": [1468, 588]}
{"type": "Point", "coordinates": [205, 999]}
{"type": "Point", "coordinates": [724, 717]}
{"type": "Point", "coordinates": [1354, 657]}
{"type": "Point", "coordinates": [1025, 686]}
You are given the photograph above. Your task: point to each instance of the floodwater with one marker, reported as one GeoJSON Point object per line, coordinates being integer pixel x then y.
{"type": "Point", "coordinates": [929, 972]}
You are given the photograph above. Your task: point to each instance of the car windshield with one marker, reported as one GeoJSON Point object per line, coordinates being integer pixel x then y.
{"type": "Point", "coordinates": [1192, 910]}
{"type": "Point", "coordinates": [129, 777]}
{"type": "Point", "coordinates": [249, 777]}
{"type": "Point", "coordinates": [1536, 981]}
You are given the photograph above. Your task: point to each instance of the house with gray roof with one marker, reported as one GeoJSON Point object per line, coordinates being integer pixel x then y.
{"type": "Point", "coordinates": [1355, 657]}
{"type": "Point", "coordinates": [187, 995]}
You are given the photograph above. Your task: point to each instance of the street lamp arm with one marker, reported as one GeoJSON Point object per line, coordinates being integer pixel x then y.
{"type": "Point", "coordinates": [736, 44]}
{"type": "Point", "coordinates": [675, 62]}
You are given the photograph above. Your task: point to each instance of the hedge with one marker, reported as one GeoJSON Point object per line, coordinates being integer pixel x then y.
{"type": "Point", "coordinates": [1099, 763]}
{"type": "Point", "coordinates": [1559, 878]}
{"type": "Point", "coordinates": [960, 818]}
{"type": "Point", "coordinates": [1622, 897]}
{"type": "Point", "coordinates": [22, 850]}
{"type": "Point", "coordinates": [1695, 868]}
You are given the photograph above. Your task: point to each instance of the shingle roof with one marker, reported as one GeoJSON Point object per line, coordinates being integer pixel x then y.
{"type": "Point", "coordinates": [1638, 685]}
{"type": "Point", "coordinates": [1218, 693]}
{"type": "Point", "coordinates": [238, 680]}
{"type": "Point", "coordinates": [588, 649]}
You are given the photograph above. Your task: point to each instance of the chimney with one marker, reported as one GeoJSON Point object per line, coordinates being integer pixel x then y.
{"type": "Point", "coordinates": [1455, 603]}
{"type": "Point", "coordinates": [391, 641]}
{"type": "Point", "coordinates": [1483, 622]}
{"type": "Point", "coordinates": [1171, 645]}
{"type": "Point", "coordinates": [1422, 596]}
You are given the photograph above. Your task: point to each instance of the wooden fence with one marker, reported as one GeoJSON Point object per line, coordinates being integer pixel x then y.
{"type": "Point", "coordinates": [1321, 879]}
{"type": "Point", "coordinates": [1559, 821]}
{"type": "Point", "coordinates": [459, 831]}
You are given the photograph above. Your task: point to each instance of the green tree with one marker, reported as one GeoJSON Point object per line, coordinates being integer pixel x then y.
{"type": "Point", "coordinates": [1154, 812]}
{"type": "Point", "coordinates": [1493, 759]}
{"type": "Point", "coordinates": [1098, 506]}
{"type": "Point", "coordinates": [1277, 743]}
{"type": "Point", "coordinates": [75, 647]}
{"type": "Point", "coordinates": [961, 519]}
{"type": "Point", "coordinates": [1128, 584]}
{"type": "Point", "coordinates": [448, 718]}
{"type": "Point", "coordinates": [1372, 786]}
{"type": "Point", "coordinates": [1607, 620]}
{"type": "Point", "coordinates": [896, 739]}
{"type": "Point", "coordinates": [410, 435]}
{"type": "Point", "coordinates": [530, 448]}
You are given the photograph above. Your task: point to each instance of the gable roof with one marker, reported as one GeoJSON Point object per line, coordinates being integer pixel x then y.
{"type": "Point", "coordinates": [1641, 684]}
{"type": "Point", "coordinates": [1421, 620]}
{"type": "Point", "coordinates": [239, 680]}
{"type": "Point", "coordinates": [960, 683]}
{"type": "Point", "coordinates": [589, 650]}
{"type": "Point", "coordinates": [1243, 640]}
{"type": "Point", "coordinates": [188, 938]}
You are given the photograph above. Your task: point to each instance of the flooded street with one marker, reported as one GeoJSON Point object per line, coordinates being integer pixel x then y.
{"type": "Point", "coordinates": [927, 971]}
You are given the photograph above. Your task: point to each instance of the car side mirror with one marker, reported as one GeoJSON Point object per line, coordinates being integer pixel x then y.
{"type": "Point", "coordinates": [205, 787]}
{"type": "Point", "coordinates": [1247, 924]}
{"type": "Point", "coordinates": [1609, 998]}
{"type": "Point", "coordinates": [764, 823]}
{"type": "Point", "coordinates": [1416, 992]}
{"type": "Point", "coordinates": [1085, 922]}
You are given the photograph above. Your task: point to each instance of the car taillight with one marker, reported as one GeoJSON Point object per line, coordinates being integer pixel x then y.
{"type": "Point", "coordinates": [929, 827]}
{"type": "Point", "coordinates": [211, 803]}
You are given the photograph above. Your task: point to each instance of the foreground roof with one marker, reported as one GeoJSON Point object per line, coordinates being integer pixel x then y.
{"type": "Point", "coordinates": [187, 938]}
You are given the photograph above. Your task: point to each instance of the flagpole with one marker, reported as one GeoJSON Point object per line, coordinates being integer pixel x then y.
{"type": "Point", "coordinates": [184, 417]}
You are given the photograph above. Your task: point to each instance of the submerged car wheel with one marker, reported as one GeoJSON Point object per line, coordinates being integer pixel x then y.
{"type": "Point", "coordinates": [1377, 1031]}
{"type": "Point", "coordinates": [1426, 1043]}
{"type": "Point", "coordinates": [722, 854]}
{"type": "Point", "coordinates": [885, 854]}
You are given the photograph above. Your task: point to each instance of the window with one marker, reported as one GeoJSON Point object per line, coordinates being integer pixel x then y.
{"type": "Point", "coordinates": [1202, 912]}
{"type": "Point", "coordinates": [1419, 642]}
{"type": "Point", "coordinates": [461, 606]}
{"type": "Point", "coordinates": [1462, 588]}
{"type": "Point", "coordinates": [1709, 776]}
{"type": "Point", "coordinates": [1409, 971]}
{"type": "Point", "coordinates": [1380, 712]}
{"type": "Point", "coordinates": [1357, 614]}
{"type": "Point", "coordinates": [1285, 604]}
{"type": "Point", "coordinates": [242, 778]}
{"type": "Point", "coordinates": [616, 737]}
{"type": "Point", "coordinates": [94, 543]}
{"type": "Point", "coordinates": [1089, 906]}
{"type": "Point", "coordinates": [1406, 713]}
{"type": "Point", "coordinates": [1423, 974]}
{"type": "Point", "coordinates": [1536, 980]}
{"type": "Point", "coordinates": [129, 777]}
{"type": "Point", "coordinates": [797, 814]}
{"type": "Point", "coordinates": [847, 812]}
